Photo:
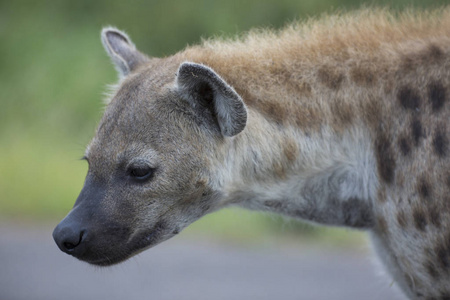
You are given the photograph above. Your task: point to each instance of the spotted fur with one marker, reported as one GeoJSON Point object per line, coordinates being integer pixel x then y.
{"type": "Point", "coordinates": [341, 121]}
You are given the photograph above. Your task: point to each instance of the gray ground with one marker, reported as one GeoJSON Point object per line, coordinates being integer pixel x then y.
{"type": "Point", "coordinates": [31, 267]}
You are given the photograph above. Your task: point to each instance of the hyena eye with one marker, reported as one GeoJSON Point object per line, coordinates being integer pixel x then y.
{"type": "Point", "coordinates": [140, 173]}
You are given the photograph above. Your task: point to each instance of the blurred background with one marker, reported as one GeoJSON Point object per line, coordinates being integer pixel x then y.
{"type": "Point", "coordinates": [53, 73]}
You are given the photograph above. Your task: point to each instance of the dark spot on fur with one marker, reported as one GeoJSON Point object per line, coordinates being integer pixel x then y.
{"type": "Point", "coordinates": [330, 77]}
{"type": "Point", "coordinates": [277, 205]}
{"type": "Point", "coordinates": [445, 296]}
{"type": "Point", "coordinates": [362, 76]}
{"type": "Point", "coordinates": [448, 180]}
{"type": "Point", "coordinates": [201, 184]}
{"type": "Point", "coordinates": [290, 149]}
{"type": "Point", "coordinates": [275, 111]}
{"type": "Point", "coordinates": [420, 219]}
{"type": "Point", "coordinates": [437, 95]}
{"type": "Point", "coordinates": [440, 142]}
{"type": "Point", "coordinates": [381, 195]}
{"type": "Point", "coordinates": [385, 158]}
{"type": "Point", "coordinates": [431, 270]}
{"type": "Point", "coordinates": [409, 98]}
{"type": "Point", "coordinates": [401, 218]}
{"type": "Point", "coordinates": [357, 214]}
{"type": "Point", "coordinates": [408, 63]}
{"type": "Point", "coordinates": [343, 113]}
{"type": "Point", "coordinates": [442, 251]}
{"type": "Point", "coordinates": [431, 54]}
{"type": "Point", "coordinates": [424, 188]}
{"type": "Point", "coordinates": [404, 145]}
{"type": "Point", "coordinates": [435, 216]}
{"type": "Point", "coordinates": [416, 130]}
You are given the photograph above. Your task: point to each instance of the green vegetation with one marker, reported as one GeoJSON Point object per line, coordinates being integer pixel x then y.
{"type": "Point", "coordinates": [53, 72]}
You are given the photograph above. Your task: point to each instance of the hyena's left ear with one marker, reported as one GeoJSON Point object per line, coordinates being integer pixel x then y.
{"type": "Point", "coordinates": [122, 51]}
{"type": "Point", "coordinates": [199, 83]}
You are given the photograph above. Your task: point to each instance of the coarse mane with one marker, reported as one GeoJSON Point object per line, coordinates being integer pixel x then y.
{"type": "Point", "coordinates": [330, 58]}
{"type": "Point", "coordinates": [363, 30]}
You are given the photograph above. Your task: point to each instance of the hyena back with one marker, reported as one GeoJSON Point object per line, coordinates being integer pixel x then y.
{"type": "Point", "coordinates": [340, 122]}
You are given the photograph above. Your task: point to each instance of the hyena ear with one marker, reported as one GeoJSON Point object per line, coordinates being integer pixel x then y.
{"type": "Point", "coordinates": [200, 84]}
{"type": "Point", "coordinates": [122, 51]}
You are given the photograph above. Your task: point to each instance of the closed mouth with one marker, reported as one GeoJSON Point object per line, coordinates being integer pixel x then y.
{"type": "Point", "coordinates": [143, 241]}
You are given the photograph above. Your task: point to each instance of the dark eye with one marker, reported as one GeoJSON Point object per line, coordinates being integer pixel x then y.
{"type": "Point", "coordinates": [140, 172]}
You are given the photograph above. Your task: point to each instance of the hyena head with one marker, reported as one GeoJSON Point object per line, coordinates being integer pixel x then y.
{"type": "Point", "coordinates": [152, 160]}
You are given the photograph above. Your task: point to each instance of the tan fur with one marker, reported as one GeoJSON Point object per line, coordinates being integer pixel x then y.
{"type": "Point", "coordinates": [340, 121]}
{"type": "Point", "coordinates": [343, 55]}
{"type": "Point", "coordinates": [346, 70]}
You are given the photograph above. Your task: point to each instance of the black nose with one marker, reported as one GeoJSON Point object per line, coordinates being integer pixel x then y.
{"type": "Point", "coordinates": [69, 237]}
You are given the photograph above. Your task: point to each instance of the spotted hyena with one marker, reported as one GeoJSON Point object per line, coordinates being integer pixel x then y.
{"type": "Point", "coordinates": [341, 121]}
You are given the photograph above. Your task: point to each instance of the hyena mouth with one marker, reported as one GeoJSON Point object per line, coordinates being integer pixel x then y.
{"type": "Point", "coordinates": [142, 241]}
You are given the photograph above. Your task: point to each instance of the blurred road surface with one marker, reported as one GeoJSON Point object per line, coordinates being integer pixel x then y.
{"type": "Point", "coordinates": [32, 268]}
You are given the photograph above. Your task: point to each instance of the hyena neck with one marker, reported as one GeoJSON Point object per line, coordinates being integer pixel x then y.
{"type": "Point", "coordinates": [325, 176]}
